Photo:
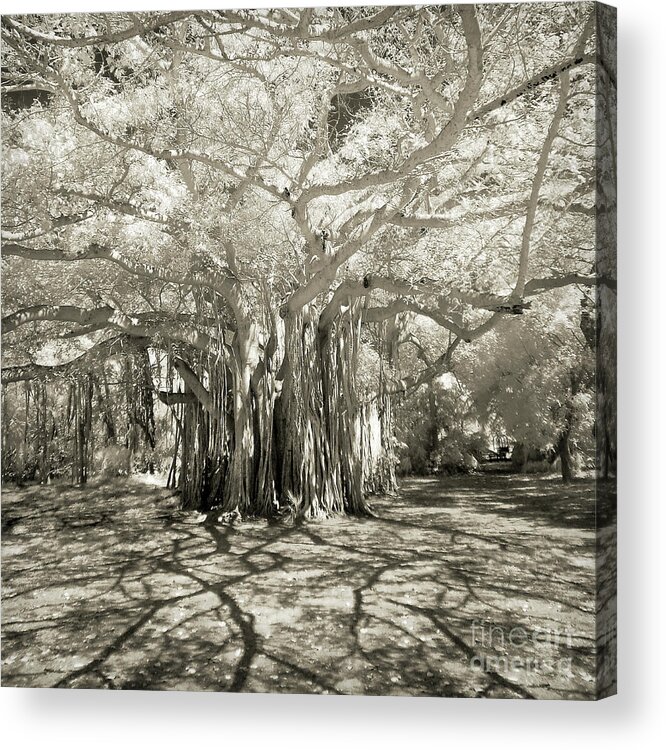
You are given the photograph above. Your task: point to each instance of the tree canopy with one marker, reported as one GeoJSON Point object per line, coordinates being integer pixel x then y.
{"type": "Point", "coordinates": [302, 212]}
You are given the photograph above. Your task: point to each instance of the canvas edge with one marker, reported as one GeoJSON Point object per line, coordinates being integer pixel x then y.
{"type": "Point", "coordinates": [606, 350]}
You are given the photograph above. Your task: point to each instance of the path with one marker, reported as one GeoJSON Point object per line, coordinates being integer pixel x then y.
{"type": "Point", "coordinates": [481, 586]}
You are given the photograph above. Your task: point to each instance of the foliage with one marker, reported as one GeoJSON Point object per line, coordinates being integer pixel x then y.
{"type": "Point", "coordinates": [299, 213]}
{"type": "Point", "coordinates": [438, 430]}
{"type": "Point", "coordinates": [536, 380]}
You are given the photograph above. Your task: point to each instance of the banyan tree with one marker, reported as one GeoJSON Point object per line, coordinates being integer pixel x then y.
{"type": "Point", "coordinates": [283, 220]}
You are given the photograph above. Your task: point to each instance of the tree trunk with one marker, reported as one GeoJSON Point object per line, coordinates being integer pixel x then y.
{"type": "Point", "coordinates": [195, 460]}
{"type": "Point", "coordinates": [563, 447]}
{"type": "Point", "coordinates": [80, 407]}
{"type": "Point", "coordinates": [240, 485]}
{"type": "Point", "coordinates": [320, 418]}
{"type": "Point", "coordinates": [520, 457]}
{"type": "Point", "coordinates": [566, 457]}
{"type": "Point", "coordinates": [227, 432]}
{"type": "Point", "coordinates": [298, 438]}
{"type": "Point", "coordinates": [378, 446]}
{"type": "Point", "coordinates": [311, 483]}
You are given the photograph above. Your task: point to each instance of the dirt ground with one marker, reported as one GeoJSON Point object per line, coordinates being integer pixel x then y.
{"type": "Point", "coordinates": [475, 586]}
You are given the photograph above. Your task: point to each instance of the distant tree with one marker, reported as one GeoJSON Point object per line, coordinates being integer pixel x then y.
{"type": "Point", "coordinates": [538, 377]}
{"type": "Point", "coordinates": [438, 429]}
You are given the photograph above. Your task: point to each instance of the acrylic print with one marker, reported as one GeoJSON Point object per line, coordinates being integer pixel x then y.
{"type": "Point", "coordinates": [309, 350]}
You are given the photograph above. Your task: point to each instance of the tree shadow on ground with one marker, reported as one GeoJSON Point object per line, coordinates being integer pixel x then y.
{"type": "Point", "coordinates": [460, 587]}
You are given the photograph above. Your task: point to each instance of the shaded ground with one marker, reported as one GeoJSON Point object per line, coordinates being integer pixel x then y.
{"type": "Point", "coordinates": [480, 586]}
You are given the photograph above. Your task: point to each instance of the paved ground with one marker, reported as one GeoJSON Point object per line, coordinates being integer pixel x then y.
{"type": "Point", "coordinates": [480, 586]}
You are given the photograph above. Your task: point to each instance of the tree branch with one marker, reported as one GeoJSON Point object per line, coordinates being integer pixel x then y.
{"type": "Point", "coordinates": [549, 73]}
{"type": "Point", "coordinates": [447, 136]}
{"type": "Point", "coordinates": [556, 282]}
{"type": "Point", "coordinates": [109, 347]}
{"type": "Point", "coordinates": [225, 286]}
{"type": "Point", "coordinates": [129, 209]}
{"type": "Point", "coordinates": [137, 28]}
{"type": "Point", "coordinates": [113, 319]}
{"type": "Point", "coordinates": [58, 223]}
{"type": "Point", "coordinates": [537, 182]}
{"type": "Point", "coordinates": [172, 399]}
{"type": "Point", "coordinates": [196, 386]}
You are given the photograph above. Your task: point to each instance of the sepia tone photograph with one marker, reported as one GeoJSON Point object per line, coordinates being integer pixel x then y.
{"type": "Point", "coordinates": [309, 350]}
